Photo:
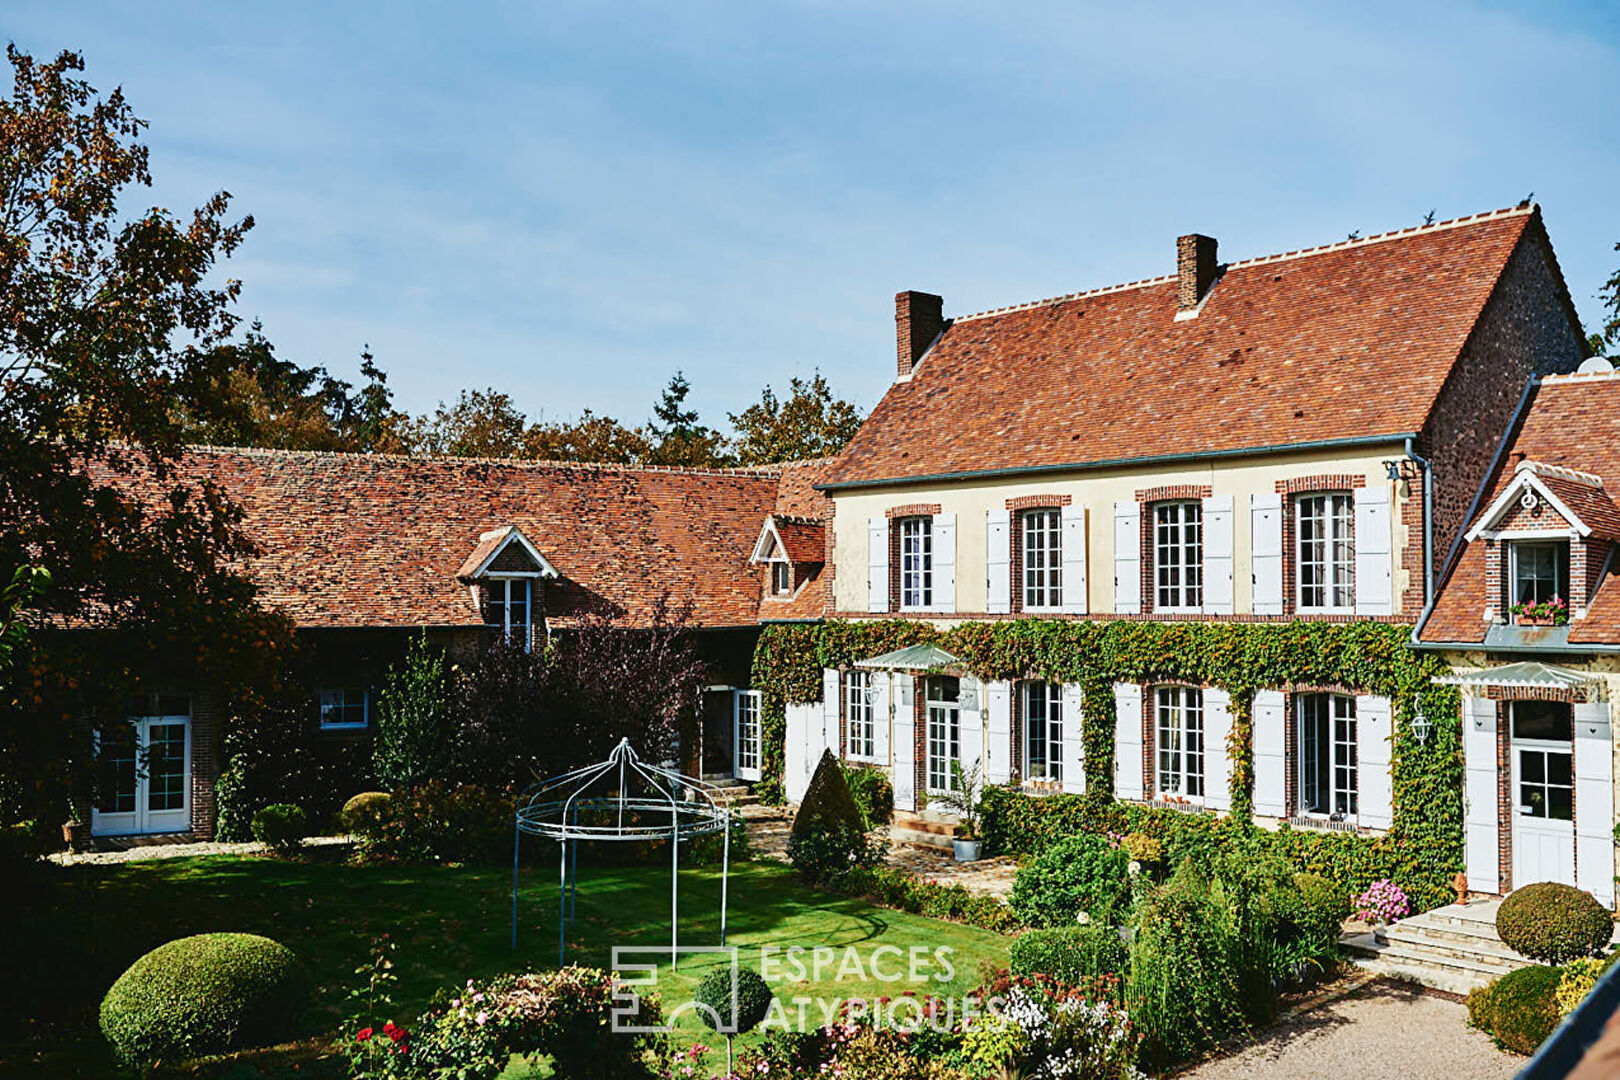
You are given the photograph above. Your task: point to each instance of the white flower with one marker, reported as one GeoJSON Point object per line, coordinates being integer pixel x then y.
{"type": "Point", "coordinates": [1135, 867]}
{"type": "Point", "coordinates": [1082, 918]}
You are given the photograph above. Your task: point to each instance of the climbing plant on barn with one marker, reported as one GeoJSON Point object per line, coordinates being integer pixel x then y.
{"type": "Point", "coordinates": [1423, 846]}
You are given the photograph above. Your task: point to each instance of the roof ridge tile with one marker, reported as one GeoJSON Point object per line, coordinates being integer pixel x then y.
{"type": "Point", "coordinates": [772, 471]}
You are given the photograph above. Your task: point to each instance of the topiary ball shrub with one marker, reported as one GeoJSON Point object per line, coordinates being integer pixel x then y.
{"type": "Point", "coordinates": [1070, 954]}
{"type": "Point", "coordinates": [281, 826]}
{"type": "Point", "coordinates": [752, 1000]}
{"type": "Point", "coordinates": [364, 812]}
{"type": "Point", "coordinates": [1079, 873]}
{"type": "Point", "coordinates": [206, 994]}
{"type": "Point", "coordinates": [1554, 923]}
{"type": "Point", "coordinates": [1520, 1009]}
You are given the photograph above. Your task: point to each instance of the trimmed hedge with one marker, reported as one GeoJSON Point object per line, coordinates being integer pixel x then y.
{"type": "Point", "coordinates": [364, 812]}
{"type": "Point", "coordinates": [1083, 873]}
{"type": "Point", "coordinates": [1553, 922]}
{"type": "Point", "coordinates": [206, 994]}
{"type": "Point", "coordinates": [887, 887]}
{"type": "Point", "coordinates": [752, 1000]}
{"type": "Point", "coordinates": [1070, 954]}
{"type": "Point", "coordinates": [1422, 850]}
{"type": "Point", "coordinates": [281, 826]}
{"type": "Point", "coordinates": [1520, 1009]}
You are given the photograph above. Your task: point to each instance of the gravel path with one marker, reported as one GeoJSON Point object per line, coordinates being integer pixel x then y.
{"type": "Point", "coordinates": [1388, 1031]}
{"type": "Point", "coordinates": [142, 852]}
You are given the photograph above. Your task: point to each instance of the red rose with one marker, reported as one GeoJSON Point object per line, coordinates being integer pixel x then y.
{"type": "Point", "coordinates": [362, 1035]}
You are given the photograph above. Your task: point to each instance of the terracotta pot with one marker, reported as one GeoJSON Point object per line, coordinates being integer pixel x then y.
{"type": "Point", "coordinates": [77, 835]}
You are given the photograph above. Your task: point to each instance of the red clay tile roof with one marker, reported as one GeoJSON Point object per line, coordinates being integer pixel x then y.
{"type": "Point", "coordinates": [1573, 422]}
{"type": "Point", "coordinates": [804, 541]}
{"type": "Point", "coordinates": [797, 496]}
{"type": "Point", "coordinates": [1592, 505]}
{"type": "Point", "coordinates": [376, 540]}
{"type": "Point", "coordinates": [809, 602]}
{"type": "Point", "coordinates": [1350, 340]}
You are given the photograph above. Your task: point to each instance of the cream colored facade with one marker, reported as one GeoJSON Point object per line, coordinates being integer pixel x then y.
{"type": "Point", "coordinates": [1097, 491]}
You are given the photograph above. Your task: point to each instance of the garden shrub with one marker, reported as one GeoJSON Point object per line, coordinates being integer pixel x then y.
{"type": "Point", "coordinates": [887, 887]}
{"type": "Point", "coordinates": [872, 792]}
{"type": "Point", "coordinates": [363, 813]}
{"type": "Point", "coordinates": [439, 822]}
{"type": "Point", "coordinates": [1520, 1009]}
{"type": "Point", "coordinates": [1145, 850]}
{"type": "Point", "coordinates": [1326, 906]}
{"type": "Point", "coordinates": [1070, 954]}
{"type": "Point", "coordinates": [1579, 978]}
{"type": "Point", "coordinates": [819, 854]}
{"type": "Point", "coordinates": [281, 827]}
{"type": "Point", "coordinates": [1183, 987]}
{"type": "Point", "coordinates": [413, 718]}
{"type": "Point", "coordinates": [1553, 922]}
{"type": "Point", "coordinates": [740, 1012]}
{"type": "Point", "coordinates": [567, 1015]}
{"type": "Point", "coordinates": [1081, 873]}
{"type": "Point", "coordinates": [827, 804]}
{"type": "Point", "coordinates": [206, 994]}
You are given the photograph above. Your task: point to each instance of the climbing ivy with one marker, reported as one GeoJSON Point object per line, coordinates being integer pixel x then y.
{"type": "Point", "coordinates": [1421, 850]}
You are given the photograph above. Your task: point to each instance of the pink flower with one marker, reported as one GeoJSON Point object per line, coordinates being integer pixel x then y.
{"type": "Point", "coordinates": [481, 1018]}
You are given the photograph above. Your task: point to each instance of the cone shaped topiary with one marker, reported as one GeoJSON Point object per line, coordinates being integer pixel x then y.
{"type": "Point", "coordinates": [827, 805]}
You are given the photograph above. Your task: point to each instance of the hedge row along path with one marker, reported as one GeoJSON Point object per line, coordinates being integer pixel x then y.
{"type": "Point", "coordinates": [1423, 848]}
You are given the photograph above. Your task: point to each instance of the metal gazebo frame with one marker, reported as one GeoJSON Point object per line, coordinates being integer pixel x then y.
{"type": "Point", "coordinates": [622, 798]}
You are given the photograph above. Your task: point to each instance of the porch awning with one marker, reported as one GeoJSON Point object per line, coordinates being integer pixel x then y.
{"type": "Point", "coordinates": [911, 658]}
{"type": "Point", "coordinates": [1529, 674]}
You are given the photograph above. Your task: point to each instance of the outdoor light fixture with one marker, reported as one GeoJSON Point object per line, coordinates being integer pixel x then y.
{"type": "Point", "coordinates": [1399, 469]}
{"type": "Point", "coordinates": [1420, 723]}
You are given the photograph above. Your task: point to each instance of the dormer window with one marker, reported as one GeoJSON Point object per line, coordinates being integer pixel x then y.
{"type": "Point", "coordinates": [509, 609]}
{"type": "Point", "coordinates": [1539, 570]}
{"type": "Point", "coordinates": [781, 578]}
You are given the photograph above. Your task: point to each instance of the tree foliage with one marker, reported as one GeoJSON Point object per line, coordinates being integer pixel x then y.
{"type": "Point", "coordinates": [811, 423]}
{"type": "Point", "coordinates": [105, 320]}
{"type": "Point", "coordinates": [1609, 335]}
{"type": "Point", "coordinates": [413, 715]}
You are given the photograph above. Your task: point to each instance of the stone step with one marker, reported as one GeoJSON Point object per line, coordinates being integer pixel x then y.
{"type": "Point", "coordinates": [1453, 982]}
{"type": "Point", "coordinates": [919, 838]}
{"type": "Point", "coordinates": [1499, 958]}
{"type": "Point", "coordinates": [927, 821]}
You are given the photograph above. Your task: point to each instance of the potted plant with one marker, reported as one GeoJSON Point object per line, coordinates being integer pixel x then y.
{"type": "Point", "coordinates": [967, 788]}
{"type": "Point", "coordinates": [1382, 904]}
{"type": "Point", "coordinates": [76, 829]}
{"type": "Point", "coordinates": [1553, 612]}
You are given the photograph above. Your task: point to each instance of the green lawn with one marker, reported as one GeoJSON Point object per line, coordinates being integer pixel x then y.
{"type": "Point", "coordinates": [73, 935]}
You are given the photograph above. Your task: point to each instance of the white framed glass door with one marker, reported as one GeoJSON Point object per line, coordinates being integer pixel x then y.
{"type": "Point", "coordinates": [1543, 806]}
{"type": "Point", "coordinates": [146, 776]}
{"type": "Point", "coordinates": [746, 734]}
{"type": "Point", "coordinates": [944, 732]}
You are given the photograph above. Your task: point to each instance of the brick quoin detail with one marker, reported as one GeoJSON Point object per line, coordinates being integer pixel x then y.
{"type": "Point", "coordinates": [1504, 801]}
{"type": "Point", "coordinates": [1015, 560]}
{"type": "Point", "coordinates": [919, 728]}
{"type": "Point", "coordinates": [894, 567]}
{"type": "Point", "coordinates": [1147, 571]}
{"type": "Point", "coordinates": [1150, 713]}
{"type": "Point", "coordinates": [1039, 502]}
{"type": "Point", "coordinates": [829, 603]}
{"type": "Point", "coordinates": [1174, 493]}
{"type": "Point", "coordinates": [843, 714]}
{"type": "Point", "coordinates": [1290, 756]}
{"type": "Point", "coordinates": [912, 510]}
{"type": "Point", "coordinates": [204, 765]}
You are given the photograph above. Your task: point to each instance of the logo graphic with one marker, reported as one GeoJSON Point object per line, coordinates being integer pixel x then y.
{"type": "Point", "coordinates": [627, 1011]}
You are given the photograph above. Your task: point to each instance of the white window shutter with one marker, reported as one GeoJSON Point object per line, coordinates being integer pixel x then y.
{"type": "Point", "coordinates": [904, 750]}
{"type": "Point", "coordinates": [1074, 743]}
{"type": "Point", "coordinates": [1127, 740]}
{"type": "Point", "coordinates": [1127, 558]}
{"type": "Point", "coordinates": [1074, 560]}
{"type": "Point", "coordinates": [998, 561]}
{"type": "Point", "coordinates": [944, 544]}
{"type": "Point", "coordinates": [1270, 769]}
{"type": "Point", "coordinates": [971, 725]}
{"type": "Point", "coordinates": [1375, 549]}
{"type": "Point", "coordinates": [1217, 769]}
{"type": "Point", "coordinates": [881, 717]}
{"type": "Point", "coordinates": [803, 729]}
{"type": "Point", "coordinates": [1218, 555]}
{"type": "Point", "coordinates": [1374, 795]}
{"type": "Point", "coordinates": [830, 687]}
{"type": "Point", "coordinates": [1594, 802]}
{"type": "Point", "coordinates": [1481, 857]}
{"type": "Point", "coordinates": [1266, 552]}
{"type": "Point", "coordinates": [877, 564]}
{"type": "Point", "coordinates": [998, 732]}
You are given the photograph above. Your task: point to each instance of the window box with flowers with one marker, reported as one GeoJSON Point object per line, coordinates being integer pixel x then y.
{"type": "Point", "coordinates": [1551, 612]}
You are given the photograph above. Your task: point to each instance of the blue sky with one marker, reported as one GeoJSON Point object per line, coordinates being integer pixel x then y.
{"type": "Point", "coordinates": [570, 201]}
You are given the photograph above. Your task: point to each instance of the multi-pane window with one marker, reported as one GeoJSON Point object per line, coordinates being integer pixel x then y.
{"type": "Point", "coordinates": [1178, 550]}
{"type": "Point", "coordinates": [343, 708]}
{"type": "Point", "coordinates": [858, 715]}
{"type": "Point", "coordinates": [1043, 731]}
{"type": "Point", "coordinates": [1043, 559]}
{"type": "Point", "coordinates": [944, 732]}
{"type": "Point", "coordinates": [1327, 755]}
{"type": "Point", "coordinates": [781, 578]}
{"type": "Point", "coordinates": [916, 562]}
{"type": "Point", "coordinates": [1540, 570]}
{"type": "Point", "coordinates": [509, 610]}
{"type": "Point", "coordinates": [1326, 552]}
{"type": "Point", "coordinates": [165, 764]}
{"type": "Point", "coordinates": [1543, 734]}
{"type": "Point", "coordinates": [748, 732]}
{"type": "Point", "coordinates": [1181, 741]}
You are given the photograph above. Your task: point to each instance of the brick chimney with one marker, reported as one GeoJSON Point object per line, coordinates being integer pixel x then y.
{"type": "Point", "coordinates": [918, 319]}
{"type": "Point", "coordinates": [1195, 269]}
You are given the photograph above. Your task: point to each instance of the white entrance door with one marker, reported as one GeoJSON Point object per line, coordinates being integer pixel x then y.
{"type": "Point", "coordinates": [746, 736]}
{"type": "Point", "coordinates": [1543, 812]}
{"type": "Point", "coordinates": [147, 777]}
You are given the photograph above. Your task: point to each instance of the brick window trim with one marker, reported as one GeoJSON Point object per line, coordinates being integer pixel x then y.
{"type": "Point", "coordinates": [1039, 502]}
{"type": "Point", "coordinates": [912, 510]}
{"type": "Point", "coordinates": [1306, 485]}
{"type": "Point", "coordinates": [1504, 801]}
{"type": "Point", "coordinates": [1540, 693]}
{"type": "Point", "coordinates": [1174, 493]}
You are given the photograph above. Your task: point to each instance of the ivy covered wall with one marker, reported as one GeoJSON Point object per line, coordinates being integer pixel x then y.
{"type": "Point", "coordinates": [1423, 847]}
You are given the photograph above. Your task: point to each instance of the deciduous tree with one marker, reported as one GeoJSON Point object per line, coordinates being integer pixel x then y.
{"type": "Point", "coordinates": [811, 423]}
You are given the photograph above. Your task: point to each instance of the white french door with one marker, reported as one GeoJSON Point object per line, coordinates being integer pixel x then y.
{"type": "Point", "coordinates": [147, 778]}
{"type": "Point", "coordinates": [944, 747]}
{"type": "Point", "coordinates": [1543, 812]}
{"type": "Point", "coordinates": [746, 734]}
